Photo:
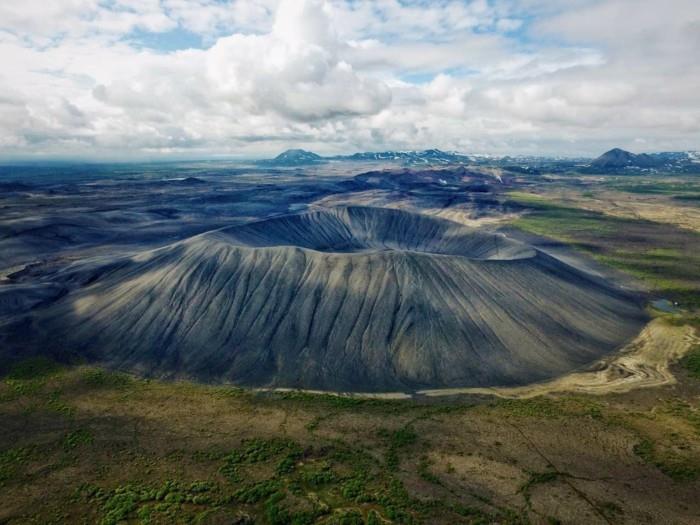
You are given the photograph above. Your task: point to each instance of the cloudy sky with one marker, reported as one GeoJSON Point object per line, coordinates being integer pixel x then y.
{"type": "Point", "coordinates": [135, 79]}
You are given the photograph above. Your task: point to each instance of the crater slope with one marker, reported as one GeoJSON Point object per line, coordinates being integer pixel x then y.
{"type": "Point", "coordinates": [347, 299]}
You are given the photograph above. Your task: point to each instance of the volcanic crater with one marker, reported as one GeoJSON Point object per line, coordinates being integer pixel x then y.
{"type": "Point", "coordinates": [345, 299]}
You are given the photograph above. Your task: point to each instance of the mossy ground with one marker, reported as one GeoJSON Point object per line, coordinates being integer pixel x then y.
{"type": "Point", "coordinates": [83, 445]}
{"type": "Point", "coordinates": [691, 362]}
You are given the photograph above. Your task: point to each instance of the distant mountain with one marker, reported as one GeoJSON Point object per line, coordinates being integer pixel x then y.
{"type": "Point", "coordinates": [300, 157]}
{"type": "Point", "coordinates": [619, 158]}
{"type": "Point", "coordinates": [429, 156]}
{"type": "Point", "coordinates": [611, 161]}
{"type": "Point", "coordinates": [295, 157]}
{"type": "Point", "coordinates": [669, 161]}
{"type": "Point", "coordinates": [677, 157]}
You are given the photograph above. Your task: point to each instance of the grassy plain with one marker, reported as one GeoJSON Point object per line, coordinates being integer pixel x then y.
{"type": "Point", "coordinates": [82, 445]}
{"type": "Point", "coordinates": [664, 256]}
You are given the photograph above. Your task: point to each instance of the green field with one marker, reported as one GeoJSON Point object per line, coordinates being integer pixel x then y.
{"type": "Point", "coordinates": [115, 449]}
{"type": "Point", "coordinates": [666, 258]}
{"type": "Point", "coordinates": [688, 189]}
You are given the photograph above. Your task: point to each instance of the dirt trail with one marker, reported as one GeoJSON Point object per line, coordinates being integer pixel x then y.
{"type": "Point", "coordinates": [643, 363]}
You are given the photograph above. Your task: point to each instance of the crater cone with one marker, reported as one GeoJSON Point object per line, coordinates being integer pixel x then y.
{"type": "Point", "coordinates": [362, 230]}
{"type": "Point", "coordinates": [348, 299]}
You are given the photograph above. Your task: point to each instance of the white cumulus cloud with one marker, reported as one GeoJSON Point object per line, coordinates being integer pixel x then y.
{"type": "Point", "coordinates": [295, 70]}
{"type": "Point", "coordinates": [197, 78]}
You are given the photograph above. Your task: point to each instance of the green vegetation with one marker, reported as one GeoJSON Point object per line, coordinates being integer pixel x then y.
{"type": "Point", "coordinates": [77, 438]}
{"type": "Point", "coordinates": [28, 377]}
{"type": "Point", "coordinates": [664, 257]}
{"type": "Point", "coordinates": [330, 400]}
{"type": "Point", "coordinates": [549, 407]}
{"type": "Point", "coordinates": [537, 478]}
{"type": "Point", "coordinates": [398, 439]}
{"type": "Point", "coordinates": [683, 320]}
{"type": "Point", "coordinates": [11, 460]}
{"type": "Point", "coordinates": [371, 463]}
{"type": "Point", "coordinates": [55, 404]}
{"type": "Point", "coordinates": [425, 473]}
{"type": "Point", "coordinates": [171, 501]}
{"type": "Point", "coordinates": [329, 482]}
{"type": "Point", "coordinates": [258, 451]}
{"type": "Point", "coordinates": [691, 362]}
{"type": "Point", "coordinates": [685, 411]}
{"type": "Point", "coordinates": [318, 474]}
{"type": "Point", "coordinates": [656, 187]}
{"type": "Point", "coordinates": [97, 378]}
{"type": "Point", "coordinates": [539, 406]}
{"type": "Point", "coordinates": [34, 368]}
{"type": "Point", "coordinates": [674, 465]}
